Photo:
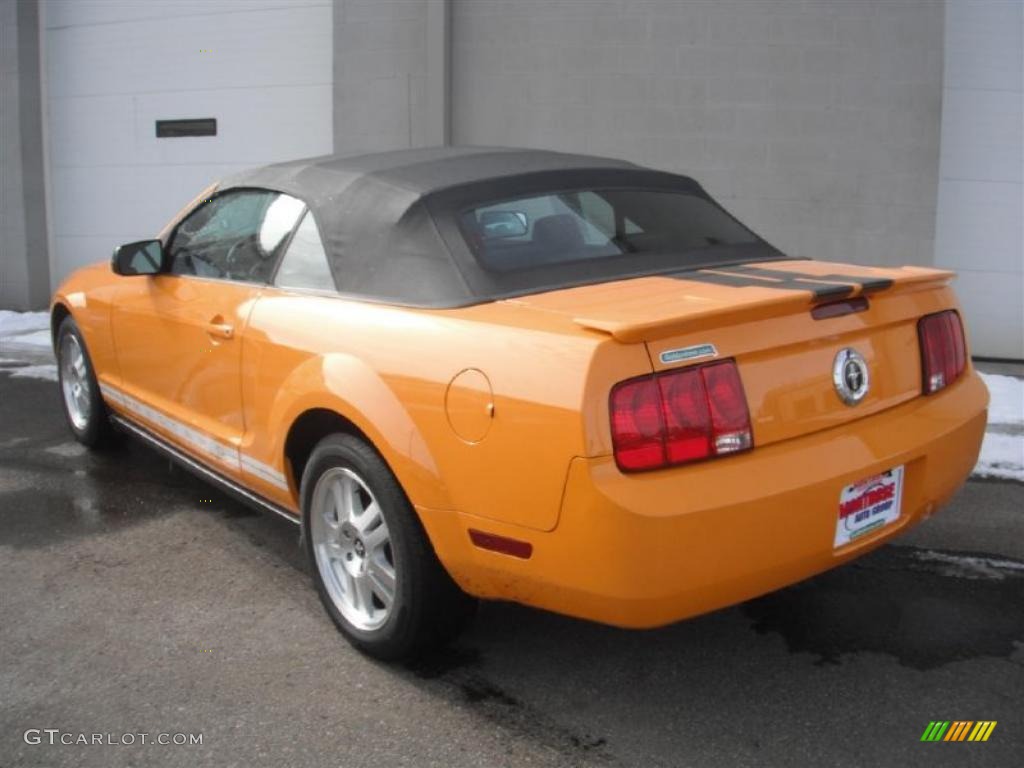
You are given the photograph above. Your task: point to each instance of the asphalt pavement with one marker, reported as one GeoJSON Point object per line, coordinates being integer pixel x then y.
{"type": "Point", "coordinates": [134, 599]}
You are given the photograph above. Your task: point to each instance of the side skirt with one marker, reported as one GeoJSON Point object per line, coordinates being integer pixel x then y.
{"type": "Point", "coordinates": [227, 485]}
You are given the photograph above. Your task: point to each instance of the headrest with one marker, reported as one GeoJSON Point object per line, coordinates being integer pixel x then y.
{"type": "Point", "coordinates": [559, 232]}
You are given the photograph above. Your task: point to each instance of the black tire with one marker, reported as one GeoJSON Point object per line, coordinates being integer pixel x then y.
{"type": "Point", "coordinates": [97, 431]}
{"type": "Point", "coordinates": [428, 608]}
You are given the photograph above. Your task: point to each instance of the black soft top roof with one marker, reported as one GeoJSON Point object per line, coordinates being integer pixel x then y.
{"type": "Point", "coordinates": [414, 171]}
{"type": "Point", "coordinates": [388, 220]}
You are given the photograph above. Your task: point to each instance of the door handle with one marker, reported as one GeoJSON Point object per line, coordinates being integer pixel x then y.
{"type": "Point", "coordinates": [217, 327]}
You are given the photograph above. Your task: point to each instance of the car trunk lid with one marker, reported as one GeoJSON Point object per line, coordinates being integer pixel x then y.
{"type": "Point", "coordinates": [762, 315]}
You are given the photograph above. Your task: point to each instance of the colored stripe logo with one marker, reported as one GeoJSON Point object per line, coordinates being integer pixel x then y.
{"type": "Point", "coordinates": [688, 353]}
{"type": "Point", "coordinates": [958, 730]}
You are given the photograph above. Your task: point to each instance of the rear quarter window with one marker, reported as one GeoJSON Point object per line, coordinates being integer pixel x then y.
{"type": "Point", "coordinates": [304, 264]}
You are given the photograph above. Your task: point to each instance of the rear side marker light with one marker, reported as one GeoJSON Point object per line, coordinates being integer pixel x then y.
{"type": "Point", "coordinates": [943, 350]}
{"type": "Point", "coordinates": [502, 544]}
{"type": "Point", "coordinates": [679, 416]}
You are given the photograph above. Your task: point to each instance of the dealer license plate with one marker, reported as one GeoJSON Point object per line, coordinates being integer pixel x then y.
{"type": "Point", "coordinates": [869, 505]}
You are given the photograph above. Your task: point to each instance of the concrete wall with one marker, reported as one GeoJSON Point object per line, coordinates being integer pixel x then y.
{"type": "Point", "coordinates": [390, 74]}
{"type": "Point", "coordinates": [980, 229]}
{"type": "Point", "coordinates": [24, 267]}
{"type": "Point", "coordinates": [815, 122]}
{"type": "Point", "coordinates": [262, 68]}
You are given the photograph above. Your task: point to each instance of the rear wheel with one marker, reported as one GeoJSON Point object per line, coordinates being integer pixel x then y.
{"type": "Point", "coordinates": [80, 393]}
{"type": "Point", "coordinates": [375, 571]}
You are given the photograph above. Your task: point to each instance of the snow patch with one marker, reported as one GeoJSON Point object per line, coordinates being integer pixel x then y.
{"type": "Point", "coordinates": [21, 322]}
{"type": "Point", "coordinates": [34, 339]}
{"type": "Point", "coordinates": [47, 372]}
{"type": "Point", "coordinates": [1001, 456]}
{"type": "Point", "coordinates": [1007, 406]}
{"type": "Point", "coordinates": [970, 566]}
{"type": "Point", "coordinates": [67, 450]}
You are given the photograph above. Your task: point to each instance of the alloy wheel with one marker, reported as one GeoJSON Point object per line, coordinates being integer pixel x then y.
{"type": "Point", "coordinates": [74, 381]}
{"type": "Point", "coordinates": [352, 547]}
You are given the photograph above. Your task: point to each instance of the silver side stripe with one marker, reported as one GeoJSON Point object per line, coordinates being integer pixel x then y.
{"type": "Point", "coordinates": [263, 471]}
{"type": "Point", "coordinates": [194, 438]}
{"type": "Point", "coordinates": [200, 441]}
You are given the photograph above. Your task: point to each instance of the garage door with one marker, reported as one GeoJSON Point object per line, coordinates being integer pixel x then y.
{"type": "Point", "coordinates": [981, 191]}
{"type": "Point", "coordinates": [261, 71]}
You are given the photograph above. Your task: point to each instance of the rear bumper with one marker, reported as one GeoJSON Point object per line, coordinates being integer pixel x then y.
{"type": "Point", "coordinates": [645, 550]}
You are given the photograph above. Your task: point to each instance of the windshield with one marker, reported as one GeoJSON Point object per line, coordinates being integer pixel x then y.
{"type": "Point", "coordinates": [594, 224]}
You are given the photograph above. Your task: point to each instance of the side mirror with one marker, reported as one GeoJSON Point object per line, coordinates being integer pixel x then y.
{"type": "Point", "coordinates": [497, 224]}
{"type": "Point", "coordinates": [145, 257]}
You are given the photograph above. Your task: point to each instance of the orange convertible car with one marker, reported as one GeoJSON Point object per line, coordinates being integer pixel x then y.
{"type": "Point", "coordinates": [565, 381]}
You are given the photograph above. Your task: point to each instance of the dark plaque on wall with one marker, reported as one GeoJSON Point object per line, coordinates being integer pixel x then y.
{"type": "Point", "coordinates": [170, 129]}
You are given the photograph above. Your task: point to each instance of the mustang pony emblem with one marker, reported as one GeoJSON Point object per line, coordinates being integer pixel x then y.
{"type": "Point", "coordinates": [850, 376]}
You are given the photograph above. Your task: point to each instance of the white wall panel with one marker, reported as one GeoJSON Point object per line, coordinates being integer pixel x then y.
{"type": "Point", "coordinates": [76, 13]}
{"type": "Point", "coordinates": [981, 135]}
{"type": "Point", "coordinates": [252, 119]}
{"type": "Point", "coordinates": [84, 197]}
{"type": "Point", "coordinates": [263, 69]}
{"type": "Point", "coordinates": [980, 217]}
{"type": "Point", "coordinates": [995, 317]}
{"type": "Point", "coordinates": [284, 46]}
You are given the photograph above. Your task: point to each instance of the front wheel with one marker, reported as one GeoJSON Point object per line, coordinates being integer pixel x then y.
{"type": "Point", "coordinates": [373, 566]}
{"type": "Point", "coordinates": [80, 392]}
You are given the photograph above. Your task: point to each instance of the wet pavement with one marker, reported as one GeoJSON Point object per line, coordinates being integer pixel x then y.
{"type": "Point", "coordinates": [136, 599]}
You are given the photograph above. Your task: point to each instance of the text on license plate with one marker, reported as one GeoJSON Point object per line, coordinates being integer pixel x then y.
{"type": "Point", "coordinates": [868, 505]}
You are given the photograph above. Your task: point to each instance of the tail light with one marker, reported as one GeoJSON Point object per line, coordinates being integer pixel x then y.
{"type": "Point", "coordinates": [943, 352]}
{"type": "Point", "coordinates": [679, 416]}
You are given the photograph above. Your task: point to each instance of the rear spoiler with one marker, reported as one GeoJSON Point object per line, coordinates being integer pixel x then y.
{"type": "Point", "coordinates": [763, 294]}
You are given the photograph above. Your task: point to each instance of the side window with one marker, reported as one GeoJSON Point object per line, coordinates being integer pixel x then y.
{"type": "Point", "coordinates": [304, 264]}
{"type": "Point", "coordinates": [235, 236]}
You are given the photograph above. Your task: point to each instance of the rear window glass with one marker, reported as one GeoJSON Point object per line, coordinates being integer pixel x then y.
{"type": "Point", "coordinates": [593, 224]}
